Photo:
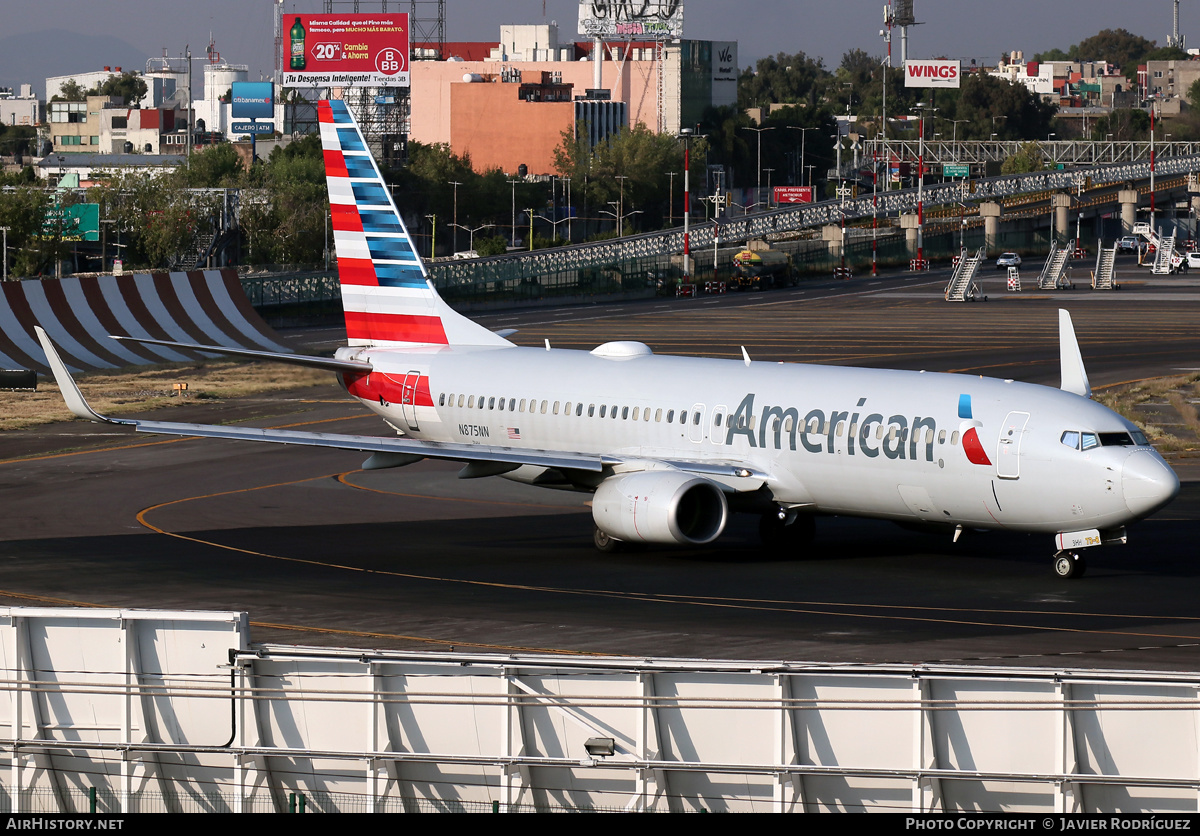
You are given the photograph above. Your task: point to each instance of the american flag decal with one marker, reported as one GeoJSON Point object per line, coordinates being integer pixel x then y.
{"type": "Point", "coordinates": [514, 433]}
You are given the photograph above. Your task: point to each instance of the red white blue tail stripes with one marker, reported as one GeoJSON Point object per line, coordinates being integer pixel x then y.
{"type": "Point", "coordinates": [387, 297]}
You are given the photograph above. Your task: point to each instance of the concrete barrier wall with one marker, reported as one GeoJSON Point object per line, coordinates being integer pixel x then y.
{"type": "Point", "coordinates": [79, 314]}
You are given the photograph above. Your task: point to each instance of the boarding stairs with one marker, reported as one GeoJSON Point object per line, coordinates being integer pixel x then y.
{"type": "Point", "coordinates": [1105, 272]}
{"type": "Point", "coordinates": [1052, 276]}
{"type": "Point", "coordinates": [1166, 259]}
{"type": "Point", "coordinates": [1163, 256]}
{"type": "Point", "coordinates": [963, 287]}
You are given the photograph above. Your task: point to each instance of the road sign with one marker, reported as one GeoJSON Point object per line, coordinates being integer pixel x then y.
{"type": "Point", "coordinates": [252, 128]}
{"type": "Point", "coordinates": [956, 171]}
{"type": "Point", "coordinates": [80, 222]}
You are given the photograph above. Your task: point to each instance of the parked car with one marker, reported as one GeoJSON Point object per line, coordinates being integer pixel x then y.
{"type": "Point", "coordinates": [1128, 244]}
{"type": "Point", "coordinates": [1008, 260]}
{"type": "Point", "coordinates": [1191, 260]}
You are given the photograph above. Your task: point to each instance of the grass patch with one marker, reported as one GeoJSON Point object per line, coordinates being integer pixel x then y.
{"type": "Point", "coordinates": [1163, 408]}
{"type": "Point", "coordinates": [140, 388]}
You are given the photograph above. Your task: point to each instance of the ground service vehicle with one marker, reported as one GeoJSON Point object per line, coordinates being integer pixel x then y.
{"type": "Point", "coordinates": [760, 269]}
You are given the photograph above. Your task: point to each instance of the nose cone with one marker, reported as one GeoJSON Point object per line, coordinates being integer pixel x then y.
{"type": "Point", "coordinates": [1147, 482]}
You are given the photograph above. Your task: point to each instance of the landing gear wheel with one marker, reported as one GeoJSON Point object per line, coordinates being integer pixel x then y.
{"type": "Point", "coordinates": [775, 534]}
{"type": "Point", "coordinates": [1069, 565]}
{"type": "Point", "coordinates": [604, 542]}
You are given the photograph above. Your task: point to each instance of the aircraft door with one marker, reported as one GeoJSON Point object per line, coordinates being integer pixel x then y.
{"type": "Point", "coordinates": [1008, 450]}
{"type": "Point", "coordinates": [408, 400]}
{"type": "Point", "coordinates": [719, 417]}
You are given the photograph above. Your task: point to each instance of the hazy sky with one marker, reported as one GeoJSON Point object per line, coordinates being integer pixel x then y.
{"type": "Point", "coordinates": [243, 28]}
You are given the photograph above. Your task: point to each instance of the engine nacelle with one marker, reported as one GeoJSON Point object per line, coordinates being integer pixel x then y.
{"type": "Point", "coordinates": [660, 506]}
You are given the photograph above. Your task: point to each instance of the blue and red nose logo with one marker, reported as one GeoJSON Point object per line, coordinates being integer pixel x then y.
{"type": "Point", "coordinates": [969, 429]}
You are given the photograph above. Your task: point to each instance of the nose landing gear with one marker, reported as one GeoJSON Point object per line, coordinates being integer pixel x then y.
{"type": "Point", "coordinates": [1068, 564]}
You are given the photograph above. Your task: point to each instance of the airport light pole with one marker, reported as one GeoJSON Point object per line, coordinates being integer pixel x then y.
{"type": "Point", "coordinates": [471, 233]}
{"type": "Point", "coordinates": [454, 224]}
{"type": "Point", "coordinates": [759, 131]}
{"type": "Point", "coordinates": [513, 238]}
{"type": "Point", "coordinates": [803, 136]}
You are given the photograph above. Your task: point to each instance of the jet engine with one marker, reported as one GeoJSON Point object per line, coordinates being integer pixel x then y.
{"type": "Point", "coordinates": [660, 506]}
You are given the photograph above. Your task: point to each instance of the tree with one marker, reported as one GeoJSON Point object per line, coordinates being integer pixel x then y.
{"type": "Point", "coordinates": [217, 166]}
{"type": "Point", "coordinates": [630, 165]}
{"type": "Point", "coordinates": [129, 87]}
{"type": "Point", "coordinates": [1028, 158]}
{"type": "Point", "coordinates": [1116, 46]}
{"type": "Point", "coordinates": [791, 79]}
{"type": "Point", "coordinates": [983, 99]}
{"type": "Point", "coordinates": [70, 91]}
{"type": "Point", "coordinates": [23, 211]}
{"type": "Point", "coordinates": [1129, 124]}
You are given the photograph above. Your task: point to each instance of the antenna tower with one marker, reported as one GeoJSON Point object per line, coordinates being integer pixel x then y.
{"type": "Point", "coordinates": [1176, 40]}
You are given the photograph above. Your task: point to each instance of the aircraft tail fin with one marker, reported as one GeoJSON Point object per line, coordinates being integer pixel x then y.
{"type": "Point", "coordinates": [1074, 375]}
{"type": "Point", "coordinates": [386, 293]}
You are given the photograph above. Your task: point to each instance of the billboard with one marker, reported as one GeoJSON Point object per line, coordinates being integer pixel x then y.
{"type": "Point", "coordinates": [346, 50]}
{"type": "Point", "coordinates": [793, 194]}
{"type": "Point", "coordinates": [650, 20]}
{"type": "Point", "coordinates": [931, 74]}
{"type": "Point", "coordinates": [253, 100]}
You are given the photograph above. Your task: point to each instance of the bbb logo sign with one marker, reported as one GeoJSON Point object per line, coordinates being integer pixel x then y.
{"type": "Point", "coordinates": [389, 61]}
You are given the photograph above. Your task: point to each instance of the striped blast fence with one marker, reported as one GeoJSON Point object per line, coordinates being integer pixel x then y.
{"type": "Point", "coordinates": [207, 307]}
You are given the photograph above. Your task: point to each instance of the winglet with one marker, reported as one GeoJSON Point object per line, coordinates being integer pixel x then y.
{"type": "Point", "coordinates": [1074, 375]}
{"type": "Point", "coordinates": [70, 391]}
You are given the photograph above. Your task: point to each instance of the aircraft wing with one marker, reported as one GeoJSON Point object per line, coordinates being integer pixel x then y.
{"type": "Point", "coordinates": [400, 447]}
{"type": "Point", "coordinates": [391, 450]}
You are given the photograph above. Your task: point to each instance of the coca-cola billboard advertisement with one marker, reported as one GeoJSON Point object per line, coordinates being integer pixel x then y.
{"type": "Point", "coordinates": [346, 50]}
{"type": "Point", "coordinates": [932, 73]}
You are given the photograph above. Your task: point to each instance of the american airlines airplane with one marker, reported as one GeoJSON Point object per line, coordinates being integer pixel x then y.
{"type": "Point", "coordinates": [670, 446]}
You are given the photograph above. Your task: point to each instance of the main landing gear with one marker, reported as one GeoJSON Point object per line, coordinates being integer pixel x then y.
{"type": "Point", "coordinates": [1069, 565]}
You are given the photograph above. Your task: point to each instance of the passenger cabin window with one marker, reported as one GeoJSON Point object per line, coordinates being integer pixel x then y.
{"type": "Point", "coordinates": [442, 399]}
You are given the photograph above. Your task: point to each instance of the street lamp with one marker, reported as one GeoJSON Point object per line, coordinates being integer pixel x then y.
{"type": "Point", "coordinates": [759, 131]}
{"type": "Point", "coordinates": [513, 240]}
{"type": "Point", "coordinates": [455, 184]}
{"type": "Point", "coordinates": [803, 136]}
{"type": "Point", "coordinates": [5, 229]}
{"type": "Point", "coordinates": [619, 218]}
{"type": "Point", "coordinates": [769, 172]}
{"type": "Point", "coordinates": [471, 233]}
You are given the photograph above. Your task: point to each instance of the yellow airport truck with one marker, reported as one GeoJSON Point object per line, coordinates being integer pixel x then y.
{"type": "Point", "coordinates": [760, 269]}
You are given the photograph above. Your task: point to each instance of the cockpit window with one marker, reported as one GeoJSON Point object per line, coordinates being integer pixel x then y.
{"type": "Point", "coordinates": [1139, 438]}
{"type": "Point", "coordinates": [1116, 439]}
{"type": "Point", "coordinates": [1090, 440]}
{"type": "Point", "coordinates": [1071, 439]}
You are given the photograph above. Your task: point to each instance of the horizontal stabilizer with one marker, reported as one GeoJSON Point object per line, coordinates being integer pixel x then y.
{"type": "Point", "coordinates": [327, 363]}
